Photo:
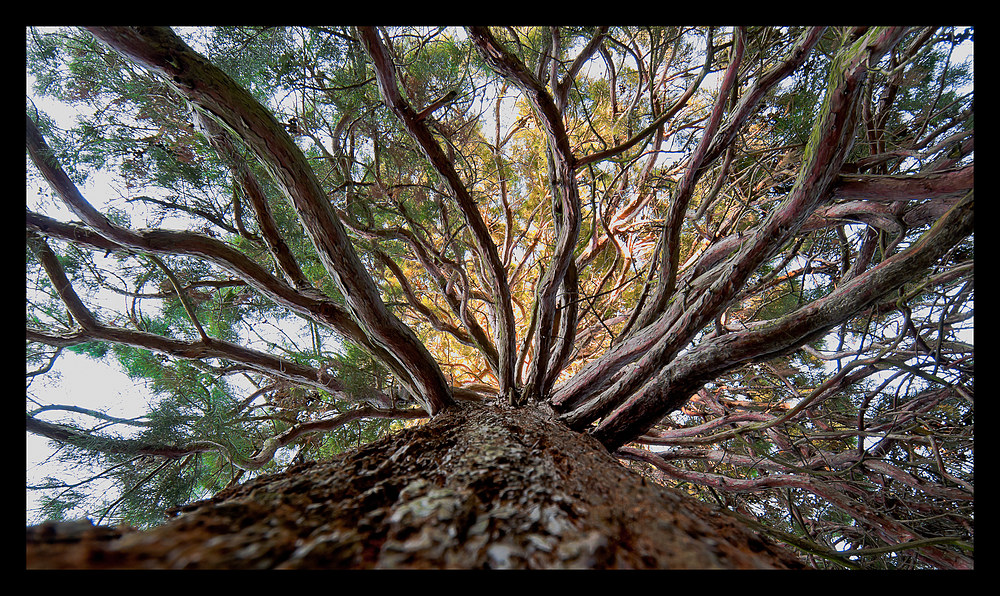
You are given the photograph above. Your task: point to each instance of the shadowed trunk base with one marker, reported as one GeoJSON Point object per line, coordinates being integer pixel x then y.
{"type": "Point", "coordinates": [475, 487]}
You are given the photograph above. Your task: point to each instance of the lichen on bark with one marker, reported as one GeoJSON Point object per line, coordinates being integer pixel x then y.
{"type": "Point", "coordinates": [478, 486]}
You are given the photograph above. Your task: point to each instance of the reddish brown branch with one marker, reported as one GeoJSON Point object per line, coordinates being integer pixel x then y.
{"type": "Point", "coordinates": [485, 246]}
{"type": "Point", "coordinates": [682, 377]}
{"type": "Point", "coordinates": [217, 96]}
{"type": "Point", "coordinates": [566, 208]}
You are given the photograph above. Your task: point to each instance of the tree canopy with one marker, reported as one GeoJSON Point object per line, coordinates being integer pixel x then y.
{"type": "Point", "coordinates": [741, 258]}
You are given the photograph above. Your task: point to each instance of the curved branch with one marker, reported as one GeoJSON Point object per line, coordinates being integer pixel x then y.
{"type": "Point", "coordinates": [508, 66]}
{"type": "Point", "coordinates": [475, 337]}
{"type": "Point", "coordinates": [66, 434]}
{"type": "Point", "coordinates": [660, 120]}
{"type": "Point", "coordinates": [252, 190]}
{"type": "Point", "coordinates": [673, 385]}
{"type": "Point", "coordinates": [313, 305]}
{"type": "Point", "coordinates": [88, 412]}
{"type": "Point", "coordinates": [47, 366]}
{"type": "Point", "coordinates": [182, 296]}
{"type": "Point", "coordinates": [562, 89]}
{"type": "Point", "coordinates": [566, 208]}
{"type": "Point", "coordinates": [767, 81]}
{"type": "Point", "coordinates": [699, 302]}
{"type": "Point", "coordinates": [217, 96]}
{"type": "Point", "coordinates": [485, 246]}
{"type": "Point", "coordinates": [207, 347]}
{"type": "Point", "coordinates": [191, 350]}
{"type": "Point", "coordinates": [86, 319]}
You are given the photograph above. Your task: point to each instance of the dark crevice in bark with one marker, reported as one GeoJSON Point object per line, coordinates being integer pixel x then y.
{"type": "Point", "coordinates": [475, 487]}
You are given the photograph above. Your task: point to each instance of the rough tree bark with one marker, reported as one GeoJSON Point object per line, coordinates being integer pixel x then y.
{"type": "Point", "coordinates": [489, 485]}
{"type": "Point", "coordinates": [477, 486]}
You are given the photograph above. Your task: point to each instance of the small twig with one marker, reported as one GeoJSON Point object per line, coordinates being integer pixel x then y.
{"type": "Point", "coordinates": [182, 295]}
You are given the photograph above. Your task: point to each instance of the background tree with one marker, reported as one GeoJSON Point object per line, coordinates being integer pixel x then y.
{"type": "Point", "coordinates": [738, 258]}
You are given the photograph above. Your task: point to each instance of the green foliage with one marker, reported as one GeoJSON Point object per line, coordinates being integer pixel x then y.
{"type": "Point", "coordinates": [256, 57]}
{"type": "Point", "coordinates": [132, 124]}
{"type": "Point", "coordinates": [94, 349]}
{"type": "Point", "coordinates": [60, 505]}
{"type": "Point", "coordinates": [359, 372]}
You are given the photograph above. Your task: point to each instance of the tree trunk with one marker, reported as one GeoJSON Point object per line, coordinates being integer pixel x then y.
{"type": "Point", "coordinates": [478, 486]}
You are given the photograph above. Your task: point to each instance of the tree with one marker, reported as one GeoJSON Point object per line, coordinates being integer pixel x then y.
{"type": "Point", "coordinates": [737, 261]}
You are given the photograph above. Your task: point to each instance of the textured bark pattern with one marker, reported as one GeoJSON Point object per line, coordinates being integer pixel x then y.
{"type": "Point", "coordinates": [475, 487]}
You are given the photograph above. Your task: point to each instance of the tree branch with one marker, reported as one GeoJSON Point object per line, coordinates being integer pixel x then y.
{"type": "Point", "coordinates": [217, 96]}
{"type": "Point", "coordinates": [566, 207]}
{"type": "Point", "coordinates": [66, 434]}
{"type": "Point", "coordinates": [660, 120]}
{"type": "Point", "coordinates": [699, 302]}
{"type": "Point", "coordinates": [674, 384]}
{"type": "Point", "coordinates": [671, 236]}
{"type": "Point", "coordinates": [506, 333]}
{"type": "Point", "coordinates": [252, 190]}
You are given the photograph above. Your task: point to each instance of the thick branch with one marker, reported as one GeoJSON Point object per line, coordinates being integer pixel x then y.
{"type": "Point", "coordinates": [691, 308]}
{"type": "Point", "coordinates": [215, 348]}
{"type": "Point", "coordinates": [66, 434]}
{"type": "Point", "coordinates": [566, 206]}
{"type": "Point", "coordinates": [714, 142]}
{"type": "Point", "coordinates": [676, 382]}
{"type": "Point", "coordinates": [865, 193]}
{"type": "Point", "coordinates": [485, 246]}
{"type": "Point", "coordinates": [217, 96]}
{"type": "Point", "coordinates": [912, 187]}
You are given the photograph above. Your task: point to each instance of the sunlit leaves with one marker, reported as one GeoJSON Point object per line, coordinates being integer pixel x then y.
{"type": "Point", "coordinates": [412, 239]}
